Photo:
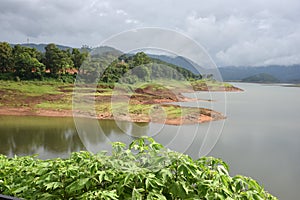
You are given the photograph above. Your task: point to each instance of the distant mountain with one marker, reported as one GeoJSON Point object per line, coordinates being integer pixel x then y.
{"type": "Point", "coordinates": [97, 50]}
{"type": "Point", "coordinates": [41, 47]}
{"type": "Point", "coordinates": [261, 78]}
{"type": "Point", "coordinates": [178, 60]}
{"type": "Point", "coordinates": [106, 50]}
{"type": "Point", "coordinates": [284, 74]}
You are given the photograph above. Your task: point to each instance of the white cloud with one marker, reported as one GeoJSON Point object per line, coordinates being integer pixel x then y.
{"type": "Point", "coordinates": [131, 21]}
{"type": "Point", "coordinates": [121, 12]}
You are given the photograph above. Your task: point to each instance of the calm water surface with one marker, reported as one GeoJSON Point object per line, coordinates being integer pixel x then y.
{"type": "Point", "coordinates": [260, 137]}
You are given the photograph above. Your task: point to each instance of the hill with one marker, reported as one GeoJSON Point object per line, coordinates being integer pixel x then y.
{"type": "Point", "coordinates": [178, 60]}
{"type": "Point", "coordinates": [261, 78]}
{"type": "Point", "coordinates": [139, 66]}
{"type": "Point", "coordinates": [284, 74]}
{"type": "Point", "coordinates": [112, 52]}
{"type": "Point", "coordinates": [104, 50]}
{"type": "Point", "coordinates": [41, 47]}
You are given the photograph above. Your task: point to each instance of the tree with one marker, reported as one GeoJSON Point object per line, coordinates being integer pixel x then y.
{"type": "Point", "coordinates": [65, 61]}
{"type": "Point", "coordinates": [27, 64]}
{"type": "Point", "coordinates": [140, 58]}
{"type": "Point", "coordinates": [6, 57]}
{"type": "Point", "coordinates": [78, 57]}
{"type": "Point", "coordinates": [142, 72]}
{"type": "Point", "coordinates": [51, 55]}
{"type": "Point", "coordinates": [56, 60]}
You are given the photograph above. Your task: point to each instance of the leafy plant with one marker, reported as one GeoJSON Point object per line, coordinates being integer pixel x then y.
{"type": "Point", "coordinates": [144, 170]}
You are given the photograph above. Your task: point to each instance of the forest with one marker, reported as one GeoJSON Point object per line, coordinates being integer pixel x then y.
{"type": "Point", "coordinates": [25, 63]}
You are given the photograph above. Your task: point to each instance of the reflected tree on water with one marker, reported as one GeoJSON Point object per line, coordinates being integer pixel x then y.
{"type": "Point", "coordinates": [30, 136]}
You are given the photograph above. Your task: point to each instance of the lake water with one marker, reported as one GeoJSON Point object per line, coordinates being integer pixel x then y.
{"type": "Point", "coordinates": [260, 137]}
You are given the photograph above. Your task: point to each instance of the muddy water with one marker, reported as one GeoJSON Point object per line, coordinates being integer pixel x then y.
{"type": "Point", "coordinates": [260, 137]}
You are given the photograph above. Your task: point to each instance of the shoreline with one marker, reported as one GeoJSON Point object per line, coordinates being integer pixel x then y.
{"type": "Point", "coordinates": [194, 118]}
{"type": "Point", "coordinates": [150, 103]}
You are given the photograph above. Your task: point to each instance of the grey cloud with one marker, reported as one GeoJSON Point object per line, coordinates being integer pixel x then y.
{"type": "Point", "coordinates": [234, 32]}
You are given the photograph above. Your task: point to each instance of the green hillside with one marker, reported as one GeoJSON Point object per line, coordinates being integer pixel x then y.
{"type": "Point", "coordinates": [261, 78]}
{"type": "Point", "coordinates": [104, 64]}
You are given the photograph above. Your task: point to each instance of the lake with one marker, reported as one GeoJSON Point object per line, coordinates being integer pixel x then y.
{"type": "Point", "coordinates": [260, 137]}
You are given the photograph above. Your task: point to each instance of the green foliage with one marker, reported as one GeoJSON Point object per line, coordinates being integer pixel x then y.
{"type": "Point", "coordinates": [26, 61]}
{"type": "Point", "coordinates": [209, 84]}
{"type": "Point", "coordinates": [144, 170]}
{"type": "Point", "coordinates": [142, 72]}
{"type": "Point", "coordinates": [6, 57]}
{"type": "Point", "coordinates": [131, 69]}
{"type": "Point", "coordinates": [141, 58]}
{"type": "Point", "coordinates": [7, 76]}
{"type": "Point", "coordinates": [78, 57]}
{"type": "Point", "coordinates": [31, 88]}
{"type": "Point", "coordinates": [56, 60]}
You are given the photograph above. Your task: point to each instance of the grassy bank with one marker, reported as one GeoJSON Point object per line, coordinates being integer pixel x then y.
{"type": "Point", "coordinates": [144, 170]}
{"type": "Point", "coordinates": [142, 102]}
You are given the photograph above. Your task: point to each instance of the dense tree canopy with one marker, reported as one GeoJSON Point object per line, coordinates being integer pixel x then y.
{"type": "Point", "coordinates": [27, 64]}
{"type": "Point", "coordinates": [140, 67]}
{"type": "Point", "coordinates": [78, 57]}
{"type": "Point", "coordinates": [19, 62]}
{"type": "Point", "coordinates": [141, 58]}
{"type": "Point", "coordinates": [6, 57]}
{"type": "Point", "coordinates": [56, 60]}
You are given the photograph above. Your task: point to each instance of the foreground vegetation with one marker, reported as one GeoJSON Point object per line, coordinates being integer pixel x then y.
{"type": "Point", "coordinates": [144, 170]}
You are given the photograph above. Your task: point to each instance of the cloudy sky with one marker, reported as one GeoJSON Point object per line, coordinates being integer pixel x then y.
{"type": "Point", "coordinates": [234, 32]}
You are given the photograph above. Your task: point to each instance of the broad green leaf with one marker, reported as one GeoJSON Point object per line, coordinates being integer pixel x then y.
{"type": "Point", "coordinates": [53, 185]}
{"type": "Point", "coordinates": [144, 170]}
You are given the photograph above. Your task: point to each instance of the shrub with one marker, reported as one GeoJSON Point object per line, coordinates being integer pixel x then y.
{"type": "Point", "coordinates": [144, 170]}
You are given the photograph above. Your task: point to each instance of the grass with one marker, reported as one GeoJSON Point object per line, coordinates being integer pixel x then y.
{"type": "Point", "coordinates": [122, 108]}
{"type": "Point", "coordinates": [15, 92]}
{"type": "Point", "coordinates": [173, 111]}
{"type": "Point", "coordinates": [141, 107]}
{"type": "Point", "coordinates": [103, 107]}
{"type": "Point", "coordinates": [35, 94]}
{"type": "Point", "coordinates": [31, 88]}
{"type": "Point", "coordinates": [175, 85]}
{"type": "Point", "coordinates": [211, 85]}
{"type": "Point", "coordinates": [59, 105]}
{"type": "Point", "coordinates": [158, 84]}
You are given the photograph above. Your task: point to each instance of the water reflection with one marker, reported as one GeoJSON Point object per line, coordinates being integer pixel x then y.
{"type": "Point", "coordinates": [97, 135]}
{"type": "Point", "coordinates": [57, 137]}
{"type": "Point", "coordinates": [48, 137]}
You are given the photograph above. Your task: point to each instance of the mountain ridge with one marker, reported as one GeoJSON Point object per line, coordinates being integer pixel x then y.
{"type": "Point", "coordinates": [284, 73]}
{"type": "Point", "coordinates": [41, 46]}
